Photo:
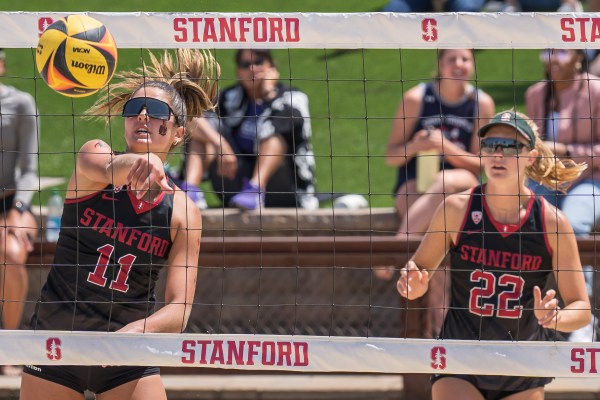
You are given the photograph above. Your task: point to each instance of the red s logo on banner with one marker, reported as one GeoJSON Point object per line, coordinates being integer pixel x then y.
{"type": "Point", "coordinates": [438, 357]}
{"type": "Point", "coordinates": [53, 351]}
{"type": "Point", "coordinates": [43, 23]}
{"type": "Point", "coordinates": [429, 29]}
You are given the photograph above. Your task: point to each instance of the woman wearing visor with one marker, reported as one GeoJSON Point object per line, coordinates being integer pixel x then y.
{"type": "Point", "coordinates": [502, 298]}
{"type": "Point", "coordinates": [124, 221]}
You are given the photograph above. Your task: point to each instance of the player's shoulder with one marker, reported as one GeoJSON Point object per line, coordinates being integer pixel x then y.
{"type": "Point", "coordinates": [451, 211]}
{"type": "Point", "coordinates": [458, 202]}
{"type": "Point", "coordinates": [555, 219]}
{"type": "Point", "coordinates": [95, 146]}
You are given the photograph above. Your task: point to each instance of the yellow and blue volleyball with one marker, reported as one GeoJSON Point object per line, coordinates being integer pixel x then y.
{"type": "Point", "coordinates": [76, 56]}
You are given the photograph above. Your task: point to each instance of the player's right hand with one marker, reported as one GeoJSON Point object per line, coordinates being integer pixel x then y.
{"type": "Point", "coordinates": [413, 282]}
{"type": "Point", "coordinates": [146, 173]}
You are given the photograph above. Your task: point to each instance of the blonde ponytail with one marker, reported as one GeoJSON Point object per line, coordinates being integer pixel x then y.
{"type": "Point", "coordinates": [548, 169]}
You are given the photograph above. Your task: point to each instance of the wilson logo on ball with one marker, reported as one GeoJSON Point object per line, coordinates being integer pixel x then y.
{"type": "Point", "coordinates": [76, 55]}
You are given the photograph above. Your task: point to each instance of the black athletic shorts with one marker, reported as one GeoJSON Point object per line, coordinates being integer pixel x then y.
{"type": "Point", "coordinates": [498, 387]}
{"type": "Point", "coordinates": [95, 379]}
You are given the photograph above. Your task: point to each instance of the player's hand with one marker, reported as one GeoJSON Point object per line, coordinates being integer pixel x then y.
{"type": "Point", "coordinates": [546, 308]}
{"type": "Point", "coordinates": [148, 173]}
{"type": "Point", "coordinates": [413, 282]}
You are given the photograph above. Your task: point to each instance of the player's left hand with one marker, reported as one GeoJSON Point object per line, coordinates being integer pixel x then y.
{"type": "Point", "coordinates": [546, 309]}
{"type": "Point", "coordinates": [133, 327]}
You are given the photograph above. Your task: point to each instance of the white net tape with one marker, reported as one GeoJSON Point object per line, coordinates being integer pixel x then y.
{"type": "Point", "coordinates": [313, 30]}
{"type": "Point", "coordinates": [302, 353]}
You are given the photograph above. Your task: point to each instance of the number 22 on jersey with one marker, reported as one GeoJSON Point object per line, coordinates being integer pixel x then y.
{"type": "Point", "coordinates": [507, 291]}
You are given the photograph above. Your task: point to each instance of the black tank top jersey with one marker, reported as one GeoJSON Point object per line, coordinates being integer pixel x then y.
{"type": "Point", "coordinates": [109, 253]}
{"type": "Point", "coordinates": [494, 269]}
{"type": "Point", "coordinates": [454, 120]}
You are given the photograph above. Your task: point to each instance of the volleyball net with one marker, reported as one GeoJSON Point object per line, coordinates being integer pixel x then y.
{"type": "Point", "coordinates": [298, 301]}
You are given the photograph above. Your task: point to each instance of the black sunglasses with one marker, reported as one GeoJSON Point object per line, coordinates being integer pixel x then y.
{"type": "Point", "coordinates": [154, 108]}
{"type": "Point", "coordinates": [508, 147]}
{"type": "Point", "coordinates": [255, 61]}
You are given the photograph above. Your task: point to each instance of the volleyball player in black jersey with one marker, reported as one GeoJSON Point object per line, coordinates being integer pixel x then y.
{"type": "Point", "coordinates": [502, 239]}
{"type": "Point", "coordinates": [123, 221]}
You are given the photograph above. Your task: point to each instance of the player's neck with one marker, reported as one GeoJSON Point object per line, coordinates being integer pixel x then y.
{"type": "Point", "coordinates": [507, 208]}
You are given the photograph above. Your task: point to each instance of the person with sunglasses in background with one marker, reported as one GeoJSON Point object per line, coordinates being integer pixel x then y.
{"type": "Point", "coordinates": [123, 222]}
{"type": "Point", "coordinates": [19, 147]}
{"type": "Point", "coordinates": [266, 125]}
{"type": "Point", "coordinates": [566, 107]}
{"type": "Point", "coordinates": [504, 238]}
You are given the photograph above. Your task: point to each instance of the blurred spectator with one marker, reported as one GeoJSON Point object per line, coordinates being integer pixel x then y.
{"type": "Point", "coordinates": [533, 5]}
{"type": "Point", "coordinates": [18, 181]}
{"type": "Point", "coordinates": [442, 115]}
{"type": "Point", "coordinates": [566, 106]}
{"type": "Point", "coordinates": [593, 6]}
{"type": "Point", "coordinates": [431, 5]}
{"type": "Point", "coordinates": [266, 125]}
{"type": "Point", "coordinates": [205, 147]}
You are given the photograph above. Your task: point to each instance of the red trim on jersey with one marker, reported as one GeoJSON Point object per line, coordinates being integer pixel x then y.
{"type": "Point", "coordinates": [84, 198]}
{"type": "Point", "coordinates": [543, 201]}
{"type": "Point", "coordinates": [466, 216]}
{"type": "Point", "coordinates": [142, 206]}
{"type": "Point", "coordinates": [508, 229]}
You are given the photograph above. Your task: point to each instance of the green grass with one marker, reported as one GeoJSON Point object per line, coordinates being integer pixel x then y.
{"type": "Point", "coordinates": [353, 94]}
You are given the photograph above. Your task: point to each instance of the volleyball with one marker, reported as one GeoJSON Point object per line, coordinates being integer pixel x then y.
{"type": "Point", "coordinates": [76, 56]}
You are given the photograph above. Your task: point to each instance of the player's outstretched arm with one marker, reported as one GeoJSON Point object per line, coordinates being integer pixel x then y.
{"type": "Point", "coordinates": [98, 166]}
{"type": "Point", "coordinates": [414, 277]}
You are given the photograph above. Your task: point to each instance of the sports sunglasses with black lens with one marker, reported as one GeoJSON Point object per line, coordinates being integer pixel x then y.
{"type": "Point", "coordinates": [508, 147]}
{"type": "Point", "coordinates": [154, 108]}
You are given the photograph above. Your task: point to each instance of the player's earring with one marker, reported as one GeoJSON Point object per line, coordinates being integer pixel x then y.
{"type": "Point", "coordinates": [175, 142]}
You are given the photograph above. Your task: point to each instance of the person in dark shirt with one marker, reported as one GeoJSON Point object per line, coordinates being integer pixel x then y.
{"type": "Point", "coordinates": [504, 243]}
{"type": "Point", "coordinates": [266, 125]}
{"type": "Point", "coordinates": [123, 222]}
{"type": "Point", "coordinates": [439, 117]}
